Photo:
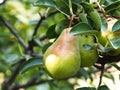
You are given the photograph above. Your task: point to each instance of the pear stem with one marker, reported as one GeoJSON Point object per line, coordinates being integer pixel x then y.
{"type": "Point", "coordinates": [71, 20]}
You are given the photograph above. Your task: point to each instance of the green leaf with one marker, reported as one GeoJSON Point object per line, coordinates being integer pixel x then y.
{"type": "Point", "coordinates": [48, 3]}
{"type": "Point", "coordinates": [104, 24]}
{"type": "Point", "coordinates": [115, 42]}
{"type": "Point", "coordinates": [116, 12]}
{"type": "Point", "coordinates": [77, 2]}
{"type": "Point", "coordinates": [82, 28]}
{"type": "Point", "coordinates": [33, 62]}
{"type": "Point", "coordinates": [61, 26]}
{"type": "Point", "coordinates": [83, 73]}
{"type": "Point", "coordinates": [96, 20]}
{"type": "Point", "coordinates": [116, 26]}
{"type": "Point", "coordinates": [109, 76]}
{"type": "Point", "coordinates": [116, 66]}
{"type": "Point", "coordinates": [105, 49]}
{"type": "Point", "coordinates": [33, 22]}
{"type": "Point", "coordinates": [37, 41]}
{"type": "Point", "coordinates": [86, 88]}
{"type": "Point", "coordinates": [83, 18]}
{"type": "Point", "coordinates": [51, 32]}
{"type": "Point", "coordinates": [112, 7]}
{"type": "Point", "coordinates": [12, 58]}
{"type": "Point", "coordinates": [4, 35]}
{"type": "Point", "coordinates": [92, 15]}
{"type": "Point", "coordinates": [63, 7]}
{"type": "Point", "coordinates": [103, 87]}
{"type": "Point", "coordinates": [87, 7]}
{"type": "Point", "coordinates": [46, 46]}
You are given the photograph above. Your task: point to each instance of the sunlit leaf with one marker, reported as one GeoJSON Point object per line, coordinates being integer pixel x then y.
{"type": "Point", "coordinates": [104, 24]}
{"type": "Point", "coordinates": [105, 49]}
{"type": "Point", "coordinates": [115, 42]}
{"type": "Point", "coordinates": [12, 58]}
{"type": "Point", "coordinates": [109, 76]}
{"type": "Point", "coordinates": [33, 22]}
{"type": "Point", "coordinates": [116, 26]}
{"type": "Point", "coordinates": [48, 3]}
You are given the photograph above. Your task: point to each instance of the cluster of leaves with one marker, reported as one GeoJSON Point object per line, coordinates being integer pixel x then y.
{"type": "Point", "coordinates": [16, 57]}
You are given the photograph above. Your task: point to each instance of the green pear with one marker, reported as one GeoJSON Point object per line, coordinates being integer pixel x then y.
{"type": "Point", "coordinates": [88, 56]}
{"type": "Point", "coordinates": [62, 58]}
{"type": "Point", "coordinates": [107, 35]}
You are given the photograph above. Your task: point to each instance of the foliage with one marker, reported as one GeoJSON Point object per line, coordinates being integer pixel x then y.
{"type": "Point", "coordinates": [29, 27]}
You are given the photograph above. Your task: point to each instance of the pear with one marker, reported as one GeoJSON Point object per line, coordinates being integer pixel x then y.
{"type": "Point", "coordinates": [89, 55]}
{"type": "Point", "coordinates": [62, 58]}
{"type": "Point", "coordinates": [107, 35]}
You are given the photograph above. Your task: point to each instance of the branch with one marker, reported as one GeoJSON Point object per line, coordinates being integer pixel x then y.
{"type": "Point", "coordinates": [41, 20]}
{"type": "Point", "coordinates": [101, 75]}
{"type": "Point", "coordinates": [43, 37]}
{"type": "Point", "coordinates": [7, 83]}
{"type": "Point", "coordinates": [13, 31]}
{"type": "Point", "coordinates": [38, 24]}
{"type": "Point", "coordinates": [108, 59]}
{"type": "Point", "coordinates": [29, 84]}
{"type": "Point", "coordinates": [31, 42]}
{"type": "Point", "coordinates": [117, 17]}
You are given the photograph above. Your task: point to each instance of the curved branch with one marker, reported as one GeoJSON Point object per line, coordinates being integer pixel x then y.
{"type": "Point", "coordinates": [32, 42]}
{"type": "Point", "coordinates": [13, 31]}
{"type": "Point", "coordinates": [108, 59]}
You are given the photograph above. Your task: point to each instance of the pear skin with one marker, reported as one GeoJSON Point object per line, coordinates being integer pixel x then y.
{"type": "Point", "coordinates": [88, 57]}
{"type": "Point", "coordinates": [62, 58]}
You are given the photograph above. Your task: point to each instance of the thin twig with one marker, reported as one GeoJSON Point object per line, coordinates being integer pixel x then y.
{"type": "Point", "coordinates": [32, 42]}
{"type": "Point", "coordinates": [38, 24]}
{"type": "Point", "coordinates": [13, 31]}
{"type": "Point", "coordinates": [101, 75]}
{"type": "Point", "coordinates": [41, 20]}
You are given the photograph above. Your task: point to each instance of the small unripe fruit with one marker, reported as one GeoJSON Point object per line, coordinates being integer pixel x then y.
{"type": "Point", "coordinates": [88, 57]}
